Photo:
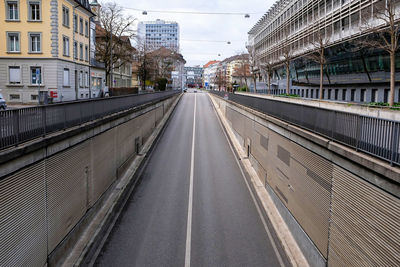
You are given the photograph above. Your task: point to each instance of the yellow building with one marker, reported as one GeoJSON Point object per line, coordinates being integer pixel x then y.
{"type": "Point", "coordinates": [44, 44]}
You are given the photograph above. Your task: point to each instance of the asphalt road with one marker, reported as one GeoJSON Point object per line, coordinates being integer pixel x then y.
{"type": "Point", "coordinates": [197, 182]}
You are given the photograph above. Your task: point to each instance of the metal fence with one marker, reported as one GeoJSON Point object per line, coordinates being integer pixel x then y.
{"type": "Point", "coordinates": [377, 137]}
{"type": "Point", "coordinates": [21, 125]}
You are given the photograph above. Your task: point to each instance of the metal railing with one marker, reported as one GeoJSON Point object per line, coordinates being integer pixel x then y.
{"type": "Point", "coordinates": [21, 125]}
{"type": "Point", "coordinates": [377, 137]}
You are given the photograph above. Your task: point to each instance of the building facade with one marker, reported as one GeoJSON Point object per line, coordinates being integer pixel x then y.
{"type": "Point", "coordinates": [194, 76]}
{"type": "Point", "coordinates": [159, 33]}
{"type": "Point", "coordinates": [97, 69]}
{"type": "Point", "coordinates": [295, 29]}
{"type": "Point", "coordinates": [209, 74]}
{"type": "Point", "coordinates": [44, 49]}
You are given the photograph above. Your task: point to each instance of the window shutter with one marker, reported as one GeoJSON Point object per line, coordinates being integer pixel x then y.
{"type": "Point", "coordinates": [66, 77]}
{"type": "Point", "coordinates": [15, 75]}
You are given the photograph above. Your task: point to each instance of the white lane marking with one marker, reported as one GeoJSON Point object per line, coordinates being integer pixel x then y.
{"type": "Point", "coordinates": [252, 196]}
{"type": "Point", "coordinates": [190, 203]}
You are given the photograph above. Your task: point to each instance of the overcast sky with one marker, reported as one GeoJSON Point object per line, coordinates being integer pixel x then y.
{"type": "Point", "coordinates": [205, 27]}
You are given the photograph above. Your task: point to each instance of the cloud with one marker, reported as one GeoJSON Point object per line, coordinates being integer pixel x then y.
{"type": "Point", "coordinates": [204, 27]}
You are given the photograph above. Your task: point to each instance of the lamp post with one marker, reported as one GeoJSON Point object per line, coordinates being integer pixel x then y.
{"type": "Point", "coordinates": [111, 56]}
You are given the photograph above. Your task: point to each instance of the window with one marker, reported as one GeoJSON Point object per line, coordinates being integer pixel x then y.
{"type": "Point", "coordinates": [34, 43]}
{"type": "Point", "coordinates": [36, 75]}
{"type": "Point", "coordinates": [34, 10]}
{"type": "Point", "coordinates": [34, 97]}
{"type": "Point", "coordinates": [66, 77]}
{"type": "Point", "coordinates": [362, 96]}
{"type": "Point", "coordinates": [344, 94]}
{"type": "Point", "coordinates": [81, 79]}
{"type": "Point", "coordinates": [352, 94]}
{"type": "Point", "coordinates": [86, 53]}
{"type": "Point", "coordinates": [373, 95]}
{"type": "Point", "coordinates": [86, 79]}
{"type": "Point", "coordinates": [81, 51]}
{"type": "Point", "coordinates": [13, 42]}
{"type": "Point", "coordinates": [329, 93]}
{"type": "Point", "coordinates": [81, 26]}
{"type": "Point", "coordinates": [386, 95]}
{"type": "Point", "coordinates": [75, 23]}
{"type": "Point", "coordinates": [76, 50]}
{"type": "Point", "coordinates": [14, 97]}
{"type": "Point", "coordinates": [65, 46]}
{"type": "Point", "coordinates": [14, 73]}
{"type": "Point", "coordinates": [65, 17]}
{"type": "Point", "coordinates": [86, 28]}
{"type": "Point", "coordinates": [336, 94]}
{"type": "Point", "coordinates": [12, 10]}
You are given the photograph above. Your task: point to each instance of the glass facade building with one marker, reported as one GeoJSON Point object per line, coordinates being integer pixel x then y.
{"type": "Point", "coordinates": [352, 73]}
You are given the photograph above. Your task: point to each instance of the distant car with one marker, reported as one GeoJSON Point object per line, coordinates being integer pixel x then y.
{"type": "Point", "coordinates": [185, 90]}
{"type": "Point", "coordinates": [3, 104]}
{"type": "Point", "coordinates": [195, 91]}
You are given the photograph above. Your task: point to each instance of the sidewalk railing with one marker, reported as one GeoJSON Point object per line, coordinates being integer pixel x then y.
{"type": "Point", "coordinates": [21, 125]}
{"type": "Point", "coordinates": [377, 137]}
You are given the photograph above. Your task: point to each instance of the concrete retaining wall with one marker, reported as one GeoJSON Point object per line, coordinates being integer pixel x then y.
{"type": "Point", "coordinates": [49, 191]}
{"type": "Point", "coordinates": [341, 213]}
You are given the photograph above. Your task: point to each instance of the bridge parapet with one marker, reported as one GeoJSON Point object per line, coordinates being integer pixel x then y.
{"type": "Point", "coordinates": [341, 205]}
{"type": "Point", "coordinates": [53, 186]}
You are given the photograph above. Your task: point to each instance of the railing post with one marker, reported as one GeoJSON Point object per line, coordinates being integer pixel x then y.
{"type": "Point", "coordinates": [44, 120]}
{"type": "Point", "coordinates": [358, 132]}
{"type": "Point", "coordinates": [16, 126]}
{"type": "Point", "coordinates": [65, 117]}
{"type": "Point", "coordinates": [334, 124]}
{"type": "Point", "coordinates": [395, 132]}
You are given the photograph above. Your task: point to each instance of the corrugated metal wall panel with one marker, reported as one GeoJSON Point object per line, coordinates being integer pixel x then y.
{"type": "Point", "coordinates": [23, 218]}
{"type": "Point", "coordinates": [159, 114]}
{"type": "Point", "coordinates": [365, 227]}
{"type": "Point", "coordinates": [126, 134]}
{"type": "Point", "coordinates": [147, 124]}
{"type": "Point", "coordinates": [103, 164]}
{"type": "Point", "coordinates": [299, 177]}
{"type": "Point", "coordinates": [67, 191]}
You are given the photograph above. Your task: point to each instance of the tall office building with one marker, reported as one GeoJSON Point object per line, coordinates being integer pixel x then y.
{"type": "Point", "coordinates": [351, 73]}
{"type": "Point", "coordinates": [160, 33]}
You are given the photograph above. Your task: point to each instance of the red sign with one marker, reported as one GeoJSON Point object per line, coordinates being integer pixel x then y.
{"type": "Point", "coordinates": [53, 94]}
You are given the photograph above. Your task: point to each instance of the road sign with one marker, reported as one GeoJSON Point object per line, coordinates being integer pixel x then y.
{"type": "Point", "coordinates": [206, 84]}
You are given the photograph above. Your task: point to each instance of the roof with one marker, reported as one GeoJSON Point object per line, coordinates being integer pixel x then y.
{"type": "Point", "coordinates": [236, 57]}
{"type": "Point", "coordinates": [85, 5]}
{"type": "Point", "coordinates": [210, 63]}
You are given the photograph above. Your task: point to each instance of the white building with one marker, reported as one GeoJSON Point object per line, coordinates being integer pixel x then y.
{"type": "Point", "coordinates": [159, 33]}
{"type": "Point", "coordinates": [209, 73]}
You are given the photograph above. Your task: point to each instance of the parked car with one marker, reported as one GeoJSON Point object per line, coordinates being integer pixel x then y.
{"type": "Point", "coordinates": [3, 104]}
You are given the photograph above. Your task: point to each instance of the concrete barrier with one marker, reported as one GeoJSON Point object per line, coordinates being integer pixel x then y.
{"type": "Point", "coordinates": [342, 207]}
{"type": "Point", "coordinates": [52, 188]}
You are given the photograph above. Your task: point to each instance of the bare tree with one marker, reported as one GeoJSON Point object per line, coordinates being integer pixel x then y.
{"type": "Point", "coordinates": [242, 68]}
{"type": "Point", "coordinates": [287, 57]}
{"type": "Point", "coordinates": [220, 78]}
{"type": "Point", "coordinates": [254, 65]}
{"type": "Point", "coordinates": [382, 23]}
{"type": "Point", "coordinates": [319, 45]}
{"type": "Point", "coordinates": [113, 36]}
{"type": "Point", "coordinates": [267, 66]}
{"type": "Point", "coordinates": [144, 61]}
